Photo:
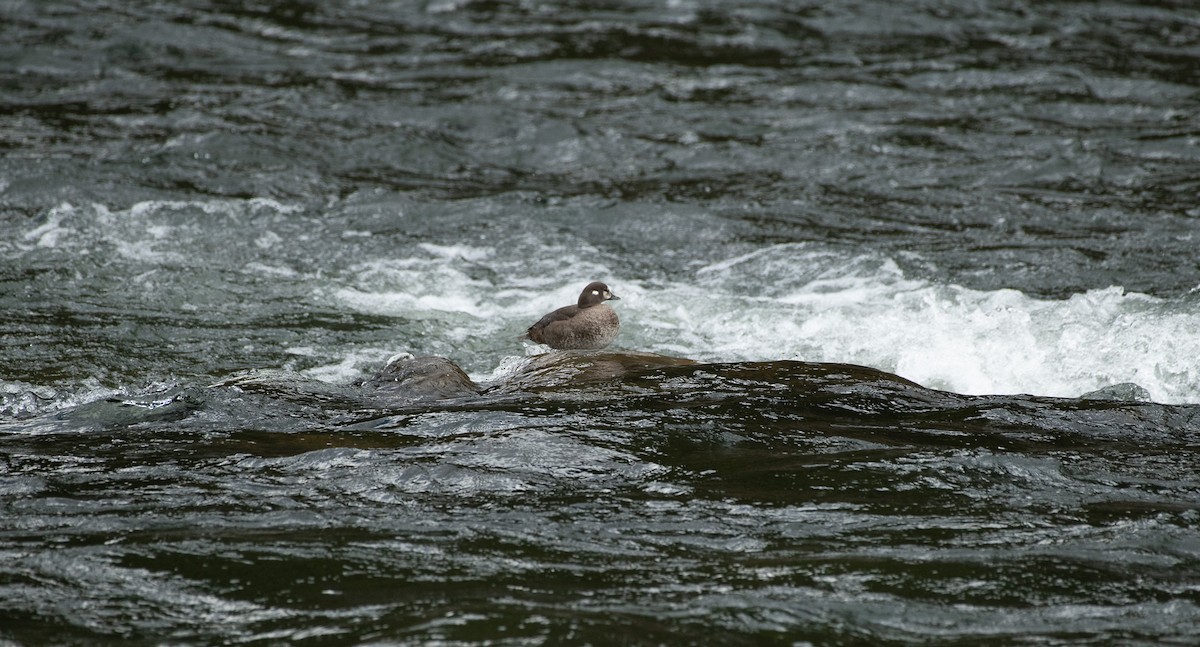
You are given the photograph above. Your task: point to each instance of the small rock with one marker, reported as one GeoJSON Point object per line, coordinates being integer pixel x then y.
{"type": "Point", "coordinates": [1123, 392]}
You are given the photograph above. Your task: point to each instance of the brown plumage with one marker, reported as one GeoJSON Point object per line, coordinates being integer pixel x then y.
{"type": "Point", "coordinates": [589, 324]}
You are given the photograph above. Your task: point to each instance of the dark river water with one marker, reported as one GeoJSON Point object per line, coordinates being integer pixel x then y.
{"type": "Point", "coordinates": [899, 239]}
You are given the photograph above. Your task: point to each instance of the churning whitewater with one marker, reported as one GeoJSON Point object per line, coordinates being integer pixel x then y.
{"type": "Point", "coordinates": [795, 301]}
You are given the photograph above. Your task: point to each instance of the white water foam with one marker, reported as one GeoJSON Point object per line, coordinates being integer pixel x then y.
{"type": "Point", "coordinates": [351, 365]}
{"type": "Point", "coordinates": [804, 302]}
{"type": "Point", "coordinates": [153, 232]}
{"type": "Point", "coordinates": [786, 301]}
{"type": "Point", "coordinates": [798, 302]}
{"type": "Point", "coordinates": [21, 400]}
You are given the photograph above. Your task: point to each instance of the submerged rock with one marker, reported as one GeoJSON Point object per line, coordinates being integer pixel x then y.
{"type": "Point", "coordinates": [1123, 392]}
{"type": "Point", "coordinates": [559, 368]}
{"type": "Point", "coordinates": [423, 378]}
{"type": "Point", "coordinates": [420, 379]}
{"type": "Point", "coordinates": [629, 390]}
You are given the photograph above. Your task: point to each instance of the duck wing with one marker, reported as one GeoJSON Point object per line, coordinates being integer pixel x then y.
{"type": "Point", "coordinates": [562, 314]}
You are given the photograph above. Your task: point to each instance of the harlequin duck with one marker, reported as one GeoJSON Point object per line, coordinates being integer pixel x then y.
{"type": "Point", "coordinates": [587, 325]}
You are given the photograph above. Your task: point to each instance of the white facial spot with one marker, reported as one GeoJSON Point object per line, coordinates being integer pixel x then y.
{"type": "Point", "coordinates": [596, 292]}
